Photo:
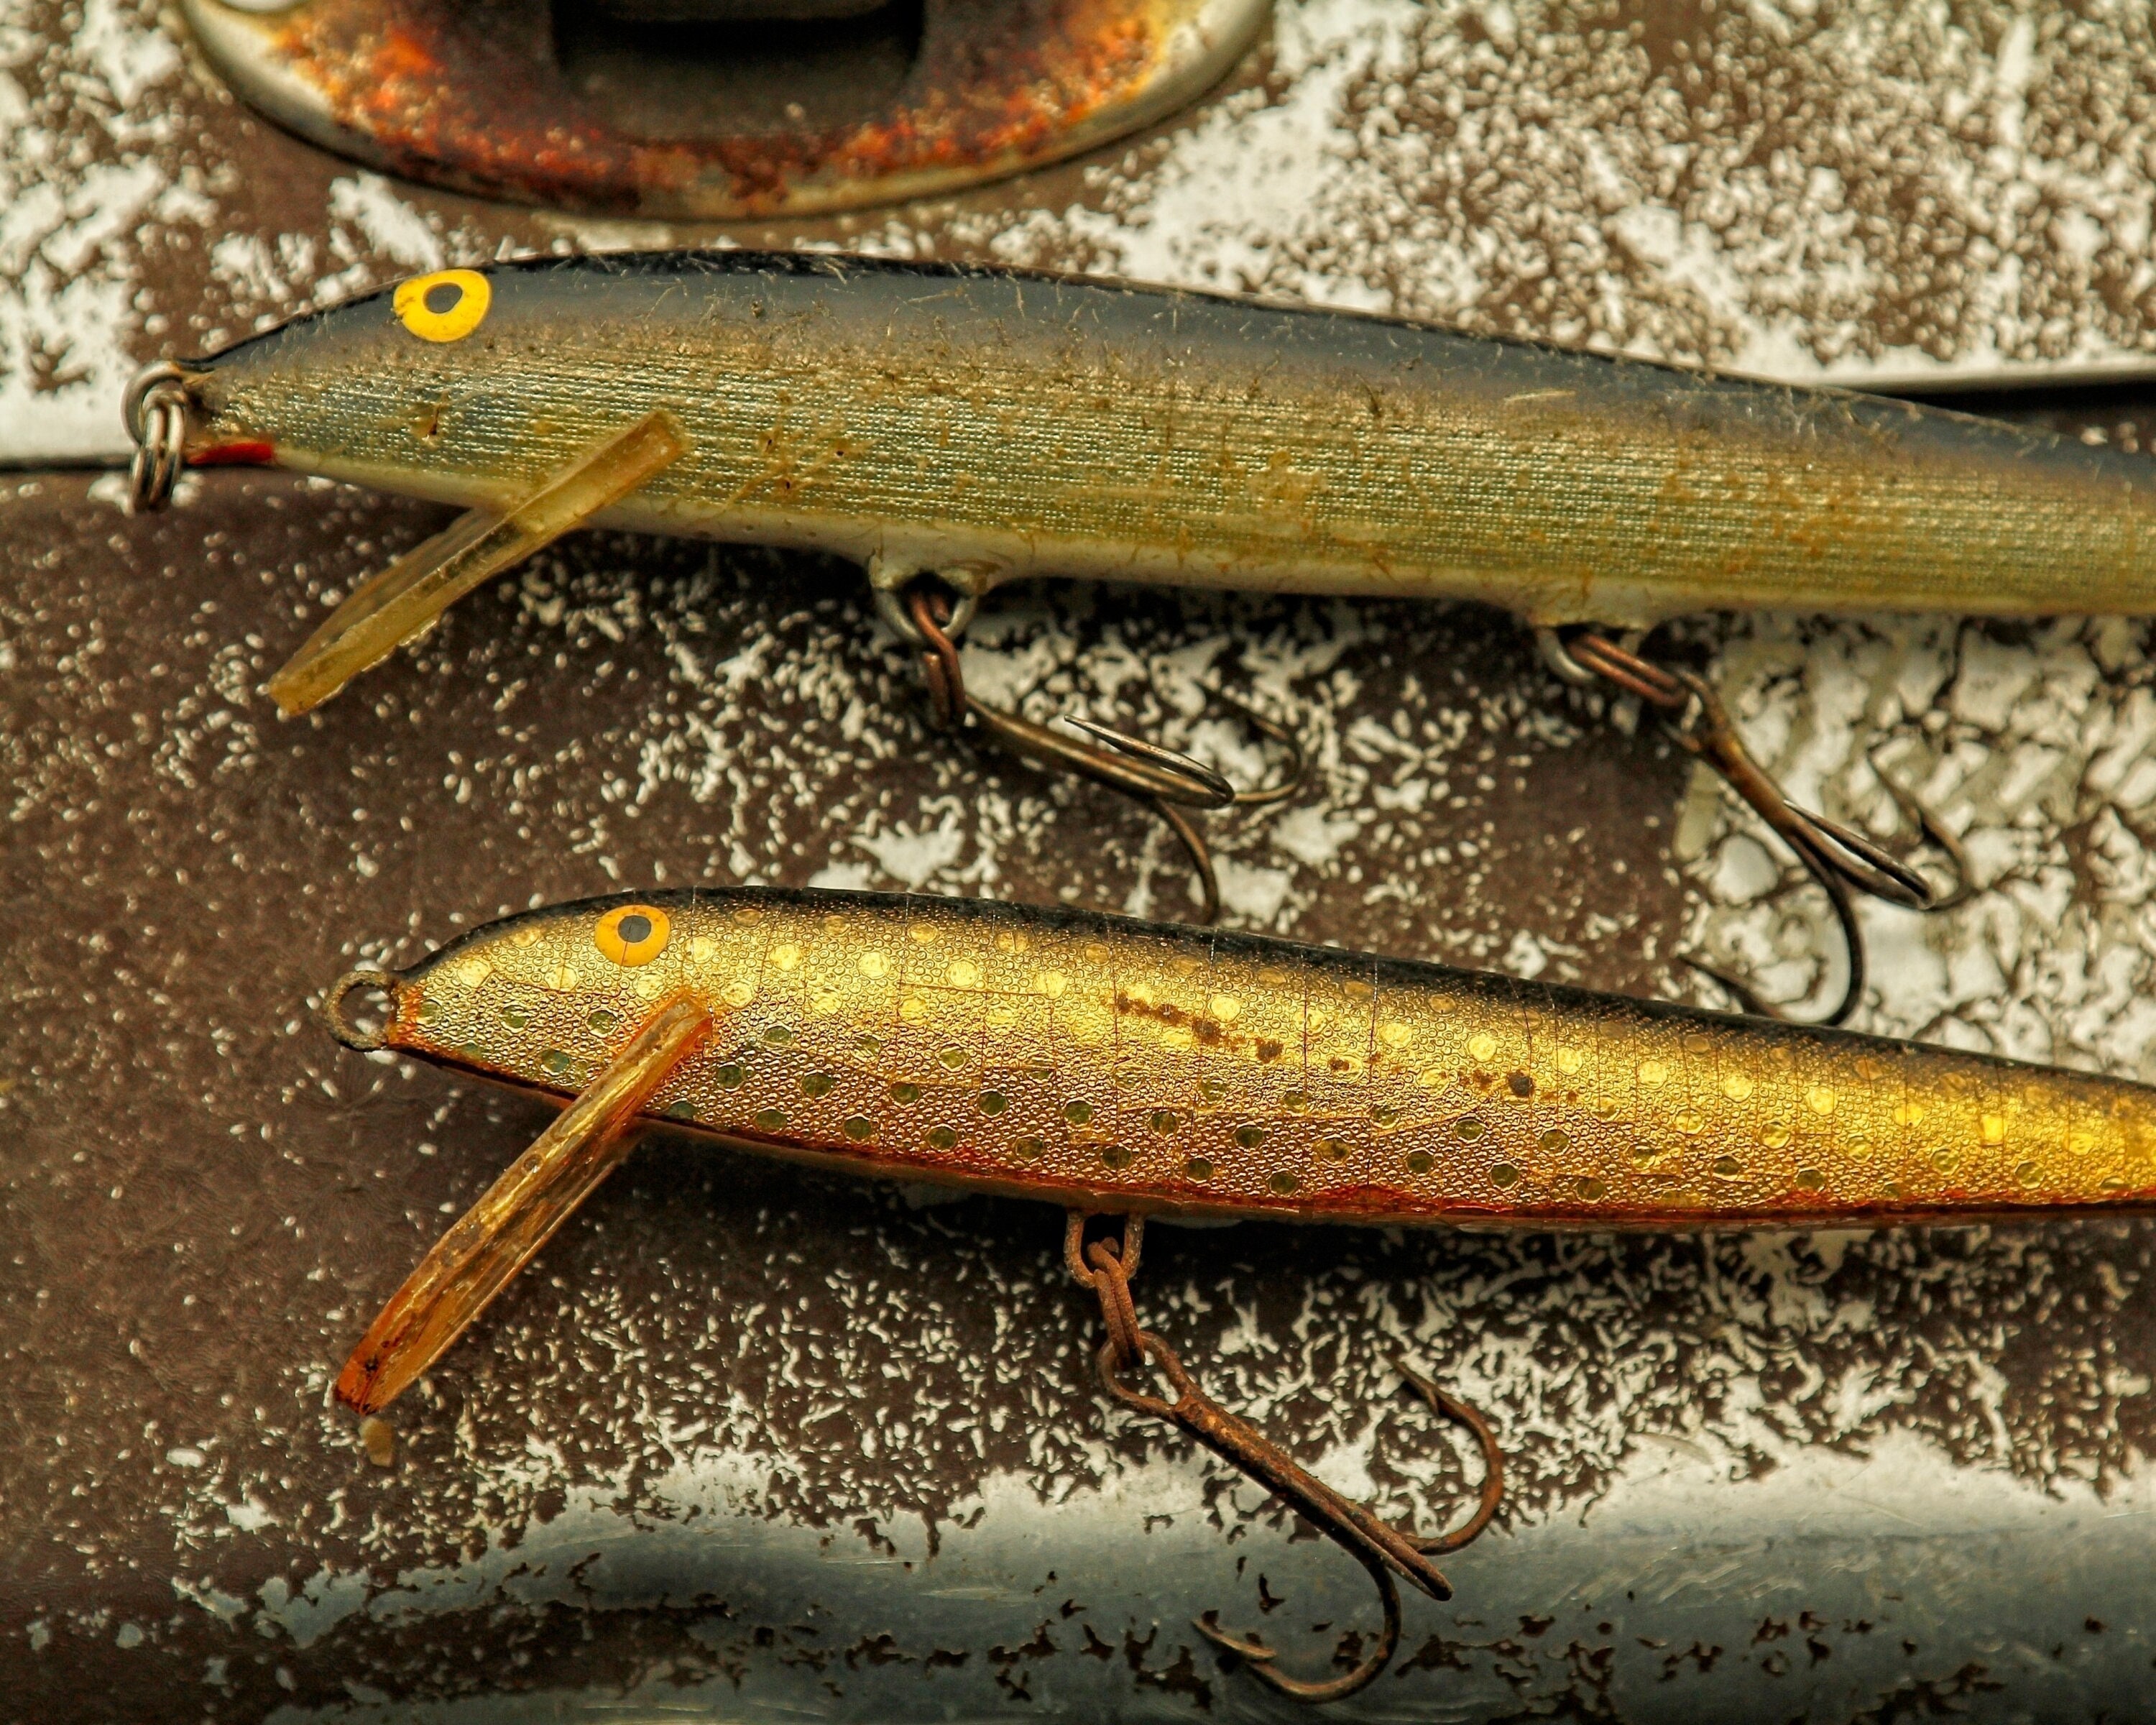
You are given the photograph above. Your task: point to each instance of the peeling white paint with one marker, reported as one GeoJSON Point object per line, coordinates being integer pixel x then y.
{"type": "Point", "coordinates": [397, 229]}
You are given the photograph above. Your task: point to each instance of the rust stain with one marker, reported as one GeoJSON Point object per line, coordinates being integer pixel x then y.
{"type": "Point", "coordinates": [444, 95]}
{"type": "Point", "coordinates": [1210, 1032]}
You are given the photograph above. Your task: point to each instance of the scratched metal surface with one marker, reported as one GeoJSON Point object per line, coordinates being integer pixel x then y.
{"type": "Point", "coordinates": [751, 1444]}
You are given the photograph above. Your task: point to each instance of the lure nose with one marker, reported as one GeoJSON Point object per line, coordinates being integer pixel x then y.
{"type": "Point", "coordinates": [159, 408]}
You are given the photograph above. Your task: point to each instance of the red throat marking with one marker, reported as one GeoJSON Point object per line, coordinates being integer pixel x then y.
{"type": "Point", "coordinates": [254, 452]}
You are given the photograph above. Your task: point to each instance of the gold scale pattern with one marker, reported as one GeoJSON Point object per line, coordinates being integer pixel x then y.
{"type": "Point", "coordinates": [1093, 1060]}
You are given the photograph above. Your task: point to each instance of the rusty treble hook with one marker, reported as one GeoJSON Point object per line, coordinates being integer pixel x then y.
{"type": "Point", "coordinates": [1841, 859]}
{"type": "Point", "coordinates": [1106, 1266]}
{"type": "Point", "coordinates": [1166, 780]}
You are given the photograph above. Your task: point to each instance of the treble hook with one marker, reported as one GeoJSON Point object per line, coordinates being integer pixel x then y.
{"type": "Point", "coordinates": [1166, 780]}
{"type": "Point", "coordinates": [1838, 857]}
{"type": "Point", "coordinates": [1105, 1266]}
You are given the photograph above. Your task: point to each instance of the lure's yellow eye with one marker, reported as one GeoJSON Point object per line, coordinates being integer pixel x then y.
{"type": "Point", "coordinates": [445, 306]}
{"type": "Point", "coordinates": [635, 934]}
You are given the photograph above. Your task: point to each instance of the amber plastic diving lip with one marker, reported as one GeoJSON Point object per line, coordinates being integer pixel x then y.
{"type": "Point", "coordinates": [478, 99]}
{"type": "Point", "coordinates": [518, 1215]}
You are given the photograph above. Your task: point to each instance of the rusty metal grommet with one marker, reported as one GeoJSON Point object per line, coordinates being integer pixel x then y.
{"type": "Point", "coordinates": [341, 1026]}
{"type": "Point", "coordinates": [501, 100]}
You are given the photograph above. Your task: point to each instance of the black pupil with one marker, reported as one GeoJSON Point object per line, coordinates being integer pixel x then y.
{"type": "Point", "coordinates": [441, 298]}
{"type": "Point", "coordinates": [634, 931]}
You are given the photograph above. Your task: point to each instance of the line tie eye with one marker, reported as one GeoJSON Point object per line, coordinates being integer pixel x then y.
{"type": "Point", "coordinates": [633, 935]}
{"type": "Point", "coordinates": [444, 306]}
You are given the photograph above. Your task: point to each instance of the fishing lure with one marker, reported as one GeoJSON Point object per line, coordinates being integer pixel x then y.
{"type": "Point", "coordinates": [955, 427]}
{"type": "Point", "coordinates": [1123, 1069]}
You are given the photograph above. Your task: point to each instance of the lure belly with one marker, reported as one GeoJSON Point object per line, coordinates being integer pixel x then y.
{"type": "Point", "coordinates": [985, 425]}
{"type": "Point", "coordinates": [1108, 1065]}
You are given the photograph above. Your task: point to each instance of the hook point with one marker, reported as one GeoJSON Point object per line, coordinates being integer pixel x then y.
{"type": "Point", "coordinates": [1207, 788]}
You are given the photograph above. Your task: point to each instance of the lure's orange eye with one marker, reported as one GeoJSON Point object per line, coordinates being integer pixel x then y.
{"type": "Point", "coordinates": [635, 934]}
{"type": "Point", "coordinates": [445, 306]}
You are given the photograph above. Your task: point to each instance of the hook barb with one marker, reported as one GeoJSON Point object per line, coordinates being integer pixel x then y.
{"type": "Point", "coordinates": [1105, 1266]}
{"type": "Point", "coordinates": [1447, 1405]}
{"type": "Point", "coordinates": [1258, 1659]}
{"type": "Point", "coordinates": [1208, 788]}
{"type": "Point", "coordinates": [1931, 830]}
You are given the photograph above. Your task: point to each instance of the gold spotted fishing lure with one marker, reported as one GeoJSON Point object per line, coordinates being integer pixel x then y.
{"type": "Point", "coordinates": [1126, 1069]}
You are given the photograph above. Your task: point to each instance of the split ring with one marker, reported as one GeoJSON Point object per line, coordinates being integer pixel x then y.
{"type": "Point", "coordinates": [891, 606]}
{"type": "Point", "coordinates": [156, 412]}
{"type": "Point", "coordinates": [144, 383]}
